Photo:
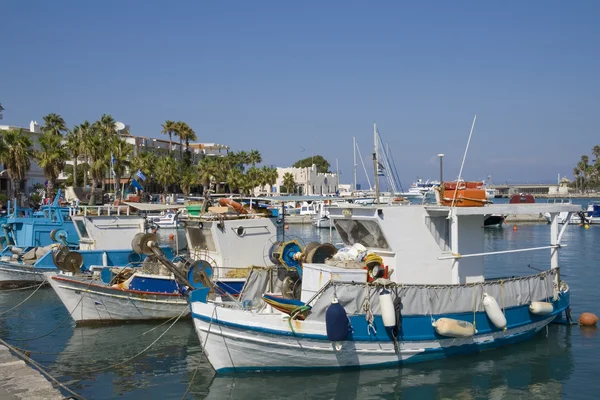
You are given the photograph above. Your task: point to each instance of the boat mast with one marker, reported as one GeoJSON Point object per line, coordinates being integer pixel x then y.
{"type": "Point", "coordinates": [354, 150]}
{"type": "Point", "coordinates": [376, 164]}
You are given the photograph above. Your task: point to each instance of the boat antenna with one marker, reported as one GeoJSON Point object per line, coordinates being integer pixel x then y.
{"type": "Point", "coordinates": [376, 164]}
{"type": "Point", "coordinates": [354, 148]}
{"type": "Point", "coordinates": [362, 161]}
{"type": "Point", "coordinates": [463, 161]}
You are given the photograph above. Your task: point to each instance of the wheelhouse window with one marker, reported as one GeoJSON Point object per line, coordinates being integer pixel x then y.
{"type": "Point", "coordinates": [80, 225]}
{"type": "Point", "coordinates": [201, 238]}
{"type": "Point", "coordinates": [368, 233]}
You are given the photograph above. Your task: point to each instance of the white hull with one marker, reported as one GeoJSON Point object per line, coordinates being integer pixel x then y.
{"type": "Point", "coordinates": [324, 223]}
{"type": "Point", "coordinates": [88, 303]}
{"type": "Point", "coordinates": [16, 275]}
{"type": "Point", "coordinates": [231, 349]}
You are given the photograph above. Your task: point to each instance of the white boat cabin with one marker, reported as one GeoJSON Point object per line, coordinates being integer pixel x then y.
{"type": "Point", "coordinates": [433, 244]}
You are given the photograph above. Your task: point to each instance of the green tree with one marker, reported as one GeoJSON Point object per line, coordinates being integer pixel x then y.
{"type": "Point", "coordinates": [185, 133]}
{"type": "Point", "coordinates": [254, 157]}
{"type": "Point", "coordinates": [121, 151]}
{"type": "Point", "coordinates": [189, 178]}
{"type": "Point", "coordinates": [95, 144]}
{"type": "Point", "coordinates": [289, 183]}
{"type": "Point", "coordinates": [54, 124]}
{"type": "Point", "coordinates": [84, 130]}
{"type": "Point", "coordinates": [268, 176]}
{"type": "Point", "coordinates": [321, 163]}
{"type": "Point", "coordinates": [166, 172]}
{"type": "Point", "coordinates": [206, 172]}
{"type": "Point", "coordinates": [235, 180]}
{"type": "Point", "coordinates": [51, 157]}
{"type": "Point", "coordinates": [145, 162]}
{"type": "Point", "coordinates": [73, 145]}
{"type": "Point", "coordinates": [15, 153]}
{"type": "Point", "coordinates": [169, 128]}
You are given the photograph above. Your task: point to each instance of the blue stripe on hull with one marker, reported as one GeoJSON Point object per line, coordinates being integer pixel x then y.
{"type": "Point", "coordinates": [426, 355]}
{"type": "Point", "coordinates": [415, 327]}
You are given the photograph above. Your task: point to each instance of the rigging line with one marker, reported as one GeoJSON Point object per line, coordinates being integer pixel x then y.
{"type": "Point", "coordinates": [362, 161]}
{"type": "Point", "coordinates": [17, 289]}
{"type": "Point", "coordinates": [38, 367]}
{"type": "Point", "coordinates": [94, 348]}
{"type": "Point", "coordinates": [463, 161]}
{"type": "Point", "coordinates": [200, 358]}
{"type": "Point", "coordinates": [28, 297]}
{"type": "Point", "coordinates": [395, 171]}
{"type": "Point", "coordinates": [59, 325]}
{"type": "Point", "coordinates": [144, 350]}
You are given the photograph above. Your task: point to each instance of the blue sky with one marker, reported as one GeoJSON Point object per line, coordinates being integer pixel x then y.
{"type": "Point", "coordinates": [279, 76]}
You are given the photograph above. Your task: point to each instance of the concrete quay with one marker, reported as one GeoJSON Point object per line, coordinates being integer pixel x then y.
{"type": "Point", "coordinates": [19, 381]}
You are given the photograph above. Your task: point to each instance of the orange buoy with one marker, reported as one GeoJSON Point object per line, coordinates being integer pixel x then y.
{"type": "Point", "coordinates": [154, 231]}
{"type": "Point", "coordinates": [588, 319]}
{"type": "Point", "coordinates": [171, 236]}
{"type": "Point", "coordinates": [514, 227]}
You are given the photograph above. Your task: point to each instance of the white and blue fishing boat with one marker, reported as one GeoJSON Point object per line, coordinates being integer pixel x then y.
{"type": "Point", "coordinates": [28, 235]}
{"type": "Point", "coordinates": [409, 287]}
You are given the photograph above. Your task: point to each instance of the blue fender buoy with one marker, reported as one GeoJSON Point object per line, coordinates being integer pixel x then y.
{"type": "Point", "coordinates": [336, 322]}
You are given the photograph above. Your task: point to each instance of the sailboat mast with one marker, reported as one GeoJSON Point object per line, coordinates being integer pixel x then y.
{"type": "Point", "coordinates": [376, 164]}
{"type": "Point", "coordinates": [354, 149]}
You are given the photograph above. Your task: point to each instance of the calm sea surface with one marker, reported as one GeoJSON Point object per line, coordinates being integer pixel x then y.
{"type": "Point", "coordinates": [562, 363]}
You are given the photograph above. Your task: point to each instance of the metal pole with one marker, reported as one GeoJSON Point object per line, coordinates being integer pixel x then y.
{"type": "Point", "coordinates": [375, 164]}
{"type": "Point", "coordinates": [441, 156]}
{"type": "Point", "coordinates": [354, 148]}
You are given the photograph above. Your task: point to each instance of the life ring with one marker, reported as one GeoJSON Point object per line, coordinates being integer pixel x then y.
{"type": "Point", "coordinates": [233, 204]}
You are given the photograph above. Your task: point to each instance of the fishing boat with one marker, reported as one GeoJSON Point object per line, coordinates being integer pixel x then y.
{"type": "Point", "coordinates": [29, 235]}
{"type": "Point", "coordinates": [591, 215]}
{"type": "Point", "coordinates": [409, 286]}
{"type": "Point", "coordinates": [106, 280]}
{"type": "Point", "coordinates": [167, 219]}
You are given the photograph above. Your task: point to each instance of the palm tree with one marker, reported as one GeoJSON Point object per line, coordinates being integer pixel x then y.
{"type": "Point", "coordinates": [254, 157]}
{"type": "Point", "coordinates": [85, 129]}
{"type": "Point", "coordinates": [121, 151]}
{"type": "Point", "coordinates": [189, 178]}
{"type": "Point", "coordinates": [252, 179]}
{"type": "Point", "coordinates": [289, 182]}
{"type": "Point", "coordinates": [271, 176]}
{"type": "Point", "coordinates": [51, 158]}
{"type": "Point", "coordinates": [206, 172]}
{"type": "Point", "coordinates": [235, 179]}
{"type": "Point", "coordinates": [146, 163]}
{"type": "Point", "coordinates": [186, 134]}
{"type": "Point", "coordinates": [54, 124]}
{"type": "Point", "coordinates": [242, 158]}
{"type": "Point", "coordinates": [169, 128]}
{"type": "Point", "coordinates": [96, 147]}
{"type": "Point", "coordinates": [107, 125]}
{"type": "Point", "coordinates": [166, 172]}
{"type": "Point", "coordinates": [73, 146]}
{"type": "Point", "coordinates": [16, 153]}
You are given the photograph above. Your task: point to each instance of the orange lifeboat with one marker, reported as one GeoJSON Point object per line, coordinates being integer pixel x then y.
{"type": "Point", "coordinates": [233, 204]}
{"type": "Point", "coordinates": [463, 194]}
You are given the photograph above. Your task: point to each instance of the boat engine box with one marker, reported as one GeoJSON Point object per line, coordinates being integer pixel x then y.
{"type": "Point", "coordinates": [315, 276]}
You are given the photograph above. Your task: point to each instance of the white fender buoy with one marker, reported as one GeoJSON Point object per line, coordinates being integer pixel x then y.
{"type": "Point", "coordinates": [104, 259]}
{"type": "Point", "coordinates": [493, 311]}
{"type": "Point", "coordinates": [541, 308]}
{"type": "Point", "coordinates": [388, 313]}
{"type": "Point", "coordinates": [454, 328]}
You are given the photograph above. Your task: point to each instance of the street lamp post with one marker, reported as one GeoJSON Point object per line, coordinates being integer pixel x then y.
{"type": "Point", "coordinates": [441, 156]}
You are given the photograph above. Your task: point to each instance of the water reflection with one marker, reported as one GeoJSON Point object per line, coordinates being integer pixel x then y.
{"type": "Point", "coordinates": [534, 369]}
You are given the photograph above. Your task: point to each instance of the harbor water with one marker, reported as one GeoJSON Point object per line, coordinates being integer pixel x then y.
{"type": "Point", "coordinates": [134, 361]}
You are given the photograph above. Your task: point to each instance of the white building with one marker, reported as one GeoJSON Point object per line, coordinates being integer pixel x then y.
{"type": "Point", "coordinates": [308, 181]}
{"type": "Point", "coordinates": [35, 175]}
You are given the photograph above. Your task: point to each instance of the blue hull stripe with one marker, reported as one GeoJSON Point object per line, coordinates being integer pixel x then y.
{"type": "Point", "coordinates": [414, 327]}
{"type": "Point", "coordinates": [426, 355]}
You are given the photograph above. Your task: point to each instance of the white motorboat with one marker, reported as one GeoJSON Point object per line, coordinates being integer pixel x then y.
{"type": "Point", "coordinates": [167, 219]}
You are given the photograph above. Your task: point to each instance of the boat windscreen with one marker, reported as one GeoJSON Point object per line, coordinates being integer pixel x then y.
{"type": "Point", "coordinates": [368, 233]}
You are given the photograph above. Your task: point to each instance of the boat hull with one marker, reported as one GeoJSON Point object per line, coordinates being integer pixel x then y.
{"type": "Point", "coordinates": [91, 302]}
{"type": "Point", "coordinates": [12, 275]}
{"type": "Point", "coordinates": [234, 345]}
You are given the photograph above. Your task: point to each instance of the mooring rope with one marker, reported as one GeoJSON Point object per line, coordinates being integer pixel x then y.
{"type": "Point", "coordinates": [201, 354]}
{"type": "Point", "coordinates": [144, 350]}
{"type": "Point", "coordinates": [39, 368]}
{"type": "Point", "coordinates": [18, 289]}
{"type": "Point", "coordinates": [28, 297]}
{"type": "Point", "coordinates": [94, 348]}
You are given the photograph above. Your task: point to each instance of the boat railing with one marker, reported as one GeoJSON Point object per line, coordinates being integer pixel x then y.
{"type": "Point", "coordinates": [104, 210]}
